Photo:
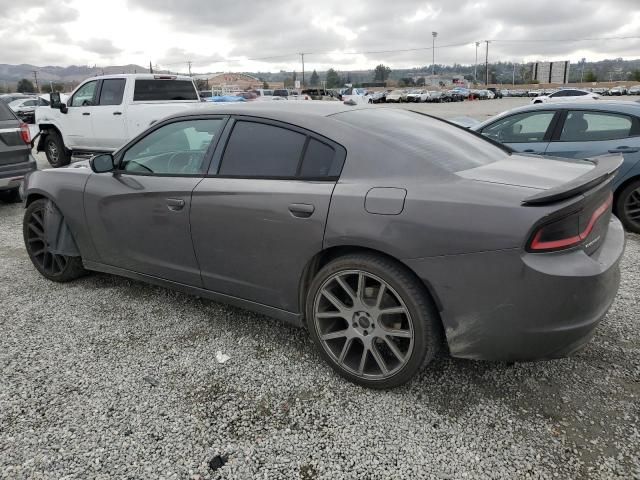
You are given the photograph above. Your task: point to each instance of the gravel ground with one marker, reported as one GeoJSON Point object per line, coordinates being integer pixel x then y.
{"type": "Point", "coordinates": [110, 378]}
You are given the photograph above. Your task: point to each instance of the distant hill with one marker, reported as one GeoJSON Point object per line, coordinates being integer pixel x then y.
{"type": "Point", "coordinates": [73, 73]}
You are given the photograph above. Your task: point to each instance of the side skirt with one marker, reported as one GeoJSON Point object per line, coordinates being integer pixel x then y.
{"type": "Point", "coordinates": [289, 317]}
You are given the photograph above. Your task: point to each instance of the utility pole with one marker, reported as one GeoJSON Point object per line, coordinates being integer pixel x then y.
{"type": "Point", "coordinates": [475, 68]}
{"type": "Point", "coordinates": [302, 55]}
{"type": "Point", "coordinates": [150, 67]}
{"type": "Point", "coordinates": [189, 64]}
{"type": "Point", "coordinates": [584, 60]}
{"type": "Point", "coordinates": [433, 52]}
{"type": "Point", "coordinates": [514, 74]}
{"type": "Point", "coordinates": [35, 76]}
{"type": "Point", "coordinates": [486, 64]}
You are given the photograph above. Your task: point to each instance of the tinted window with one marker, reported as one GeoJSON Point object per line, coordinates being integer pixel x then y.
{"type": "Point", "coordinates": [259, 150]}
{"type": "Point", "coordinates": [440, 144]}
{"type": "Point", "coordinates": [5, 113]}
{"type": "Point", "coordinates": [583, 126]}
{"type": "Point", "coordinates": [521, 128]}
{"type": "Point", "coordinates": [318, 161]}
{"type": "Point", "coordinates": [112, 91]}
{"type": "Point", "coordinates": [178, 148]}
{"type": "Point", "coordinates": [84, 96]}
{"type": "Point", "coordinates": [153, 90]}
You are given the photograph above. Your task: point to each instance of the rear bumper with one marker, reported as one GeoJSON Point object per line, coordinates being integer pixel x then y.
{"type": "Point", "coordinates": [516, 306]}
{"type": "Point", "coordinates": [11, 175]}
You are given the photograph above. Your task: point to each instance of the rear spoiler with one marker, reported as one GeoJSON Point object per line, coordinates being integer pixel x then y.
{"type": "Point", "coordinates": [605, 169]}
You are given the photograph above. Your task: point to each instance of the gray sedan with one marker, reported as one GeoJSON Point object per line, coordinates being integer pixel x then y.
{"type": "Point", "coordinates": [387, 233]}
{"type": "Point", "coordinates": [579, 130]}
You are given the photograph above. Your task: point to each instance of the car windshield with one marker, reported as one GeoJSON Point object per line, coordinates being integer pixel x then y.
{"type": "Point", "coordinates": [445, 145]}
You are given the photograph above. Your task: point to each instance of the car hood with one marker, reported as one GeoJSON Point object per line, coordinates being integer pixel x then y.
{"type": "Point", "coordinates": [529, 171]}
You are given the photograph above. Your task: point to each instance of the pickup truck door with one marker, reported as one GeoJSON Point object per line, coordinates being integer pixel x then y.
{"type": "Point", "coordinates": [107, 117]}
{"type": "Point", "coordinates": [76, 124]}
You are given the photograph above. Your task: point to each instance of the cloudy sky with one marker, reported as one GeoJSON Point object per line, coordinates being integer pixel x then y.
{"type": "Point", "coordinates": [256, 35]}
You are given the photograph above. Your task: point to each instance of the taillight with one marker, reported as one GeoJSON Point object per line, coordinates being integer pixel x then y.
{"type": "Point", "coordinates": [25, 134]}
{"type": "Point", "coordinates": [566, 232]}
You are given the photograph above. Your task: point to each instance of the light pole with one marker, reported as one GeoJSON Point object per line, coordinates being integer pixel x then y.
{"type": "Point", "coordinates": [475, 68]}
{"type": "Point", "coordinates": [584, 60]}
{"type": "Point", "coordinates": [433, 51]}
{"type": "Point", "coordinates": [486, 64]}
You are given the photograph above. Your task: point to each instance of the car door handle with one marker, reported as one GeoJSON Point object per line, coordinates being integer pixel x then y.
{"type": "Point", "coordinates": [175, 204]}
{"type": "Point", "coordinates": [301, 210]}
{"type": "Point", "coordinates": [86, 113]}
{"type": "Point", "coordinates": [624, 149]}
{"type": "Point", "coordinates": [117, 113]}
{"type": "Point", "coordinates": [529, 150]}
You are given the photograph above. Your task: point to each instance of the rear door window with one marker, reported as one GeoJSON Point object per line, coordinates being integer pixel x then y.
{"type": "Point", "coordinates": [148, 90]}
{"type": "Point", "coordinates": [319, 161]}
{"type": "Point", "coordinates": [112, 91]}
{"type": "Point", "coordinates": [520, 128]}
{"type": "Point", "coordinates": [261, 150]}
{"type": "Point", "coordinates": [581, 126]}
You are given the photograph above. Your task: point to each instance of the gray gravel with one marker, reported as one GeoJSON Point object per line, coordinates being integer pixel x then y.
{"type": "Point", "coordinates": [110, 378]}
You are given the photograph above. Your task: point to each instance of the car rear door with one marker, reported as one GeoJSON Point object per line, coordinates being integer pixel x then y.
{"type": "Point", "coordinates": [589, 133]}
{"type": "Point", "coordinates": [527, 132]}
{"type": "Point", "coordinates": [138, 216]}
{"type": "Point", "coordinates": [108, 118]}
{"type": "Point", "coordinates": [259, 217]}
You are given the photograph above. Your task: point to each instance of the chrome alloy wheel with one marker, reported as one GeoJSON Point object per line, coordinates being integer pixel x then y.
{"type": "Point", "coordinates": [363, 324]}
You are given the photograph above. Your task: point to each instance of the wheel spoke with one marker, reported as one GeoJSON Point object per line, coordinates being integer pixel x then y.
{"type": "Point", "coordinates": [379, 360]}
{"type": "Point", "coordinates": [360, 292]}
{"type": "Point", "coordinates": [392, 310]}
{"type": "Point", "coordinates": [36, 230]}
{"type": "Point", "coordinates": [37, 253]}
{"type": "Point", "coordinates": [381, 291]}
{"type": "Point", "coordinates": [394, 348]}
{"type": "Point", "coordinates": [334, 300]}
{"type": "Point", "coordinates": [363, 361]}
{"type": "Point", "coordinates": [346, 288]}
{"type": "Point", "coordinates": [398, 333]}
{"type": "Point", "coordinates": [334, 335]}
{"type": "Point", "coordinates": [324, 315]}
{"type": "Point", "coordinates": [345, 349]}
{"type": "Point", "coordinates": [38, 219]}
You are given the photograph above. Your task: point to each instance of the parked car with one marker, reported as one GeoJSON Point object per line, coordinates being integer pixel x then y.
{"type": "Point", "coordinates": [417, 96]}
{"type": "Point", "coordinates": [15, 153]}
{"type": "Point", "coordinates": [7, 98]}
{"type": "Point", "coordinates": [281, 92]}
{"type": "Point", "coordinates": [356, 96]}
{"type": "Point", "coordinates": [25, 108]}
{"type": "Point", "coordinates": [617, 91]}
{"type": "Point", "coordinates": [295, 211]}
{"type": "Point", "coordinates": [567, 95]}
{"type": "Point", "coordinates": [317, 93]}
{"type": "Point", "coordinates": [496, 92]}
{"type": "Point", "coordinates": [436, 96]}
{"type": "Point", "coordinates": [379, 97]}
{"type": "Point", "coordinates": [635, 90]}
{"type": "Point", "coordinates": [396, 96]}
{"type": "Point", "coordinates": [580, 130]}
{"type": "Point", "coordinates": [104, 112]}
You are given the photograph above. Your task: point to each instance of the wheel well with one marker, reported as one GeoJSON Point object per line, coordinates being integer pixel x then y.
{"type": "Point", "coordinates": [33, 197]}
{"type": "Point", "coordinates": [324, 257]}
{"type": "Point", "coordinates": [619, 190]}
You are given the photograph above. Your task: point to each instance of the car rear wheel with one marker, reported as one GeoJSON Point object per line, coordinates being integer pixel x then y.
{"type": "Point", "coordinates": [57, 154]}
{"type": "Point", "coordinates": [54, 266]}
{"type": "Point", "coordinates": [628, 207]}
{"type": "Point", "coordinates": [373, 322]}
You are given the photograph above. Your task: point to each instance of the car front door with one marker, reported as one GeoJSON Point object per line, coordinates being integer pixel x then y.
{"type": "Point", "coordinates": [78, 133]}
{"type": "Point", "coordinates": [138, 215]}
{"type": "Point", "coordinates": [585, 134]}
{"type": "Point", "coordinates": [527, 132]}
{"type": "Point", "coordinates": [259, 217]}
{"type": "Point", "coordinates": [108, 118]}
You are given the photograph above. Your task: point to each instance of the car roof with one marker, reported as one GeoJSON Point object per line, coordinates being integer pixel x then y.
{"type": "Point", "coordinates": [631, 108]}
{"type": "Point", "coordinates": [142, 76]}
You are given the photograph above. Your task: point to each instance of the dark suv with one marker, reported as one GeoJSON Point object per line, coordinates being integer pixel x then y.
{"type": "Point", "coordinates": [15, 154]}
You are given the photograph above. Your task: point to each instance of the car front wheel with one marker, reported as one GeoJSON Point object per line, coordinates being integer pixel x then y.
{"type": "Point", "coordinates": [628, 207]}
{"type": "Point", "coordinates": [52, 265]}
{"type": "Point", "coordinates": [57, 154]}
{"type": "Point", "coordinates": [372, 320]}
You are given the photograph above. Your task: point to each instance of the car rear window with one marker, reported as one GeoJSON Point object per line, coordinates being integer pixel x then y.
{"type": "Point", "coordinates": [162, 90]}
{"type": "Point", "coordinates": [442, 144]}
{"type": "Point", "coordinates": [5, 113]}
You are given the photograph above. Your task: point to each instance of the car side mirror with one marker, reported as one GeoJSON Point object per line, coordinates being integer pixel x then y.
{"type": "Point", "coordinates": [56, 102]}
{"type": "Point", "coordinates": [102, 163]}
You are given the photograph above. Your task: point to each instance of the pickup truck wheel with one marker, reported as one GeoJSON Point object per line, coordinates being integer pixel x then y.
{"type": "Point", "coordinates": [57, 154]}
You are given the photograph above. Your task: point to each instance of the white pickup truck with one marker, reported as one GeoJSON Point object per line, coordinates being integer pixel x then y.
{"type": "Point", "coordinates": [105, 112]}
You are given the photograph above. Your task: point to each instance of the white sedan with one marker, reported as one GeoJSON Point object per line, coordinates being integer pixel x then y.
{"type": "Point", "coordinates": [567, 95]}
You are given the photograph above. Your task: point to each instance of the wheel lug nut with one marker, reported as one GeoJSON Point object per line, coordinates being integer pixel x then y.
{"type": "Point", "coordinates": [366, 333]}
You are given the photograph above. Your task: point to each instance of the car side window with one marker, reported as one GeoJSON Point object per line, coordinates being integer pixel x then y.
{"type": "Point", "coordinates": [581, 126]}
{"type": "Point", "coordinates": [112, 91]}
{"type": "Point", "coordinates": [178, 148]}
{"type": "Point", "coordinates": [520, 128]}
{"type": "Point", "coordinates": [261, 150]}
{"type": "Point", "coordinates": [84, 96]}
{"type": "Point", "coordinates": [319, 161]}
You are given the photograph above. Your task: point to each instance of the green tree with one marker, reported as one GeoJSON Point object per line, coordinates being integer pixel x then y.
{"type": "Point", "coordinates": [56, 87]}
{"type": "Point", "coordinates": [315, 79]}
{"type": "Point", "coordinates": [406, 82]}
{"type": "Point", "coordinates": [381, 73]}
{"type": "Point", "coordinates": [265, 85]}
{"type": "Point", "coordinates": [25, 86]}
{"type": "Point", "coordinates": [333, 79]}
{"type": "Point", "coordinates": [635, 75]}
{"type": "Point", "coordinates": [590, 76]}
{"type": "Point", "coordinates": [420, 82]}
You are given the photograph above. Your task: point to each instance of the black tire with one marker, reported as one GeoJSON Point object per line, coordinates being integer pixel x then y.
{"type": "Point", "coordinates": [58, 268]}
{"type": "Point", "coordinates": [426, 325]}
{"type": "Point", "coordinates": [629, 199]}
{"type": "Point", "coordinates": [57, 154]}
{"type": "Point", "coordinates": [10, 196]}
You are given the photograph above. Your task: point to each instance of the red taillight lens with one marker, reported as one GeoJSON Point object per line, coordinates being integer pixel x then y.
{"type": "Point", "coordinates": [566, 233]}
{"type": "Point", "coordinates": [25, 134]}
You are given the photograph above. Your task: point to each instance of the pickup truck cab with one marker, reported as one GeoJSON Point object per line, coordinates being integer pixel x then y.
{"type": "Point", "coordinates": [105, 112]}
